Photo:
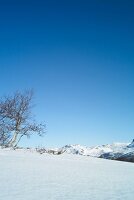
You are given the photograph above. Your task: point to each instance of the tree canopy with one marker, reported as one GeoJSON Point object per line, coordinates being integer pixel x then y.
{"type": "Point", "coordinates": [16, 119]}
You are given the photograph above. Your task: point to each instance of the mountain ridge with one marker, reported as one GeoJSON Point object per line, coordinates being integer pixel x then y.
{"type": "Point", "coordinates": [115, 151]}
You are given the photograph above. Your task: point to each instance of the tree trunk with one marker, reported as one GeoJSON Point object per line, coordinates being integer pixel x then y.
{"type": "Point", "coordinates": [15, 145]}
{"type": "Point", "coordinates": [13, 140]}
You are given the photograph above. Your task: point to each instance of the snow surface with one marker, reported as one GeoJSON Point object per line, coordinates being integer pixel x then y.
{"type": "Point", "coordinates": [28, 175]}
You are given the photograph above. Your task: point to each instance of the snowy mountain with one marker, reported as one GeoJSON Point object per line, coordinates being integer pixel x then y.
{"type": "Point", "coordinates": [96, 151]}
{"type": "Point", "coordinates": [113, 151]}
{"type": "Point", "coordinates": [131, 145]}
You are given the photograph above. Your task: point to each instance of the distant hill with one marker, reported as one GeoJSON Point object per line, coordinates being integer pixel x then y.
{"type": "Point", "coordinates": [115, 151]}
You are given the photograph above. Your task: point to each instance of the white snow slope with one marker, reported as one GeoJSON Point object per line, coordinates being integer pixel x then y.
{"type": "Point", "coordinates": [30, 176]}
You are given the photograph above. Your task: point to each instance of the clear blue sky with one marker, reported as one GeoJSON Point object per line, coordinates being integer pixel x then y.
{"type": "Point", "coordinates": [79, 58]}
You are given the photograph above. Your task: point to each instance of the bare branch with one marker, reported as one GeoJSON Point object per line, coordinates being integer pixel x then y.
{"type": "Point", "coordinates": [16, 118]}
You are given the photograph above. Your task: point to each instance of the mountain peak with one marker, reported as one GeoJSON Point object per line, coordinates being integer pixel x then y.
{"type": "Point", "coordinates": [131, 145]}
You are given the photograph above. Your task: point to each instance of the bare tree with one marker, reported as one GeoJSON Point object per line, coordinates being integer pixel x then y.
{"type": "Point", "coordinates": [16, 119]}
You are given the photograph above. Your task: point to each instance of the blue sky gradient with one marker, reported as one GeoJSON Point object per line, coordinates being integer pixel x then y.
{"type": "Point", "coordinates": [79, 58]}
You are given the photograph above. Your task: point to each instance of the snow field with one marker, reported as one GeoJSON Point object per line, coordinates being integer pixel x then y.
{"type": "Point", "coordinates": [31, 176]}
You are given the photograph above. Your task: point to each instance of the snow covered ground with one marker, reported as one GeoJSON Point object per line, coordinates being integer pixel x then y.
{"type": "Point", "coordinates": [28, 175]}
